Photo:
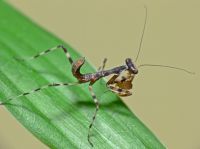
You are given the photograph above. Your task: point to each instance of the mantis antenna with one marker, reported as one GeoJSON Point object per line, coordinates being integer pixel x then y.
{"type": "Point", "coordinates": [143, 30]}
{"type": "Point", "coordinates": [140, 45]}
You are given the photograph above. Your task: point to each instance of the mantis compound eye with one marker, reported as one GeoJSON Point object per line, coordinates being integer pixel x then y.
{"type": "Point", "coordinates": [131, 66]}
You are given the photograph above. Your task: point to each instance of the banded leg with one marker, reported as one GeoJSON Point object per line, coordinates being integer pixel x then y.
{"type": "Point", "coordinates": [101, 68]}
{"type": "Point", "coordinates": [50, 50]}
{"type": "Point", "coordinates": [38, 89]}
{"type": "Point", "coordinates": [95, 113]}
{"type": "Point", "coordinates": [113, 85]}
{"type": "Point", "coordinates": [119, 91]}
{"type": "Point", "coordinates": [112, 79]}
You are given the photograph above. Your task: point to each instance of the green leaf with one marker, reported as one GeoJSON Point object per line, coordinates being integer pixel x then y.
{"type": "Point", "coordinates": [60, 116]}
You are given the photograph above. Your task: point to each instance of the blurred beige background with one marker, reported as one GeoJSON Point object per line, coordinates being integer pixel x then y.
{"type": "Point", "coordinates": [167, 101]}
